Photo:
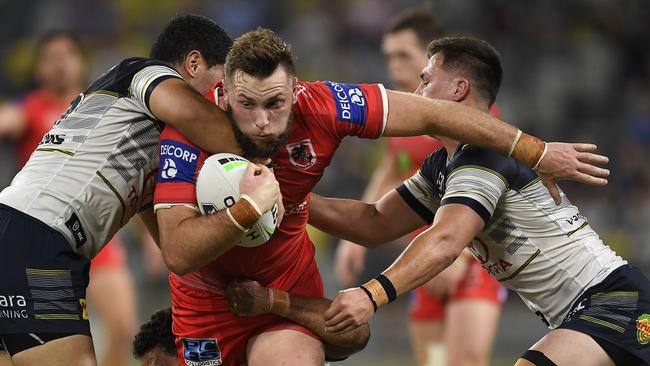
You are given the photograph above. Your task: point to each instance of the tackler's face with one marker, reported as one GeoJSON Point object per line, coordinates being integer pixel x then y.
{"type": "Point", "coordinates": [435, 82]}
{"type": "Point", "coordinates": [260, 109]}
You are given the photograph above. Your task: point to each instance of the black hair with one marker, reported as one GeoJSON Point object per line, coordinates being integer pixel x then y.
{"type": "Point", "coordinates": [476, 59]}
{"type": "Point", "coordinates": [419, 20]}
{"type": "Point", "coordinates": [156, 332]}
{"type": "Point", "coordinates": [187, 33]}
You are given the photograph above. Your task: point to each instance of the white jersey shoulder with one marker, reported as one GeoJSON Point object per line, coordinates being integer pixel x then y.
{"type": "Point", "coordinates": [96, 167]}
{"type": "Point", "coordinates": [545, 252]}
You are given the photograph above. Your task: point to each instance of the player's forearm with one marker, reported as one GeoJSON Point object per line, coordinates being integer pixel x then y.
{"type": "Point", "coordinates": [308, 312]}
{"type": "Point", "coordinates": [197, 241]}
{"type": "Point", "coordinates": [410, 114]}
{"type": "Point", "coordinates": [424, 258]}
{"type": "Point", "coordinates": [356, 221]}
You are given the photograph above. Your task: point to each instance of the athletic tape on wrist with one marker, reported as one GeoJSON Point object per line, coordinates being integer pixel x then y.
{"type": "Point", "coordinates": [541, 157]}
{"type": "Point", "coordinates": [374, 304]}
{"type": "Point", "coordinates": [388, 287]}
{"type": "Point", "coordinates": [235, 221]}
{"type": "Point", "coordinates": [529, 150]}
{"type": "Point", "coordinates": [244, 213]}
{"type": "Point", "coordinates": [280, 302]}
{"type": "Point", "coordinates": [250, 200]}
{"type": "Point", "coordinates": [377, 292]}
{"type": "Point", "coordinates": [514, 143]}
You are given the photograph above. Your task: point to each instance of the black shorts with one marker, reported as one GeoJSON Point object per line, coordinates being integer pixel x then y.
{"type": "Point", "coordinates": [43, 280]}
{"type": "Point", "coordinates": [616, 314]}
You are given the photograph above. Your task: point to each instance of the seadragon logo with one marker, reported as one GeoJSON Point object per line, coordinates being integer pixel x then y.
{"type": "Point", "coordinates": [643, 329]}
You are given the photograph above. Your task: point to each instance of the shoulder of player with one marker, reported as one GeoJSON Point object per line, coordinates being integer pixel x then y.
{"type": "Point", "coordinates": [118, 79]}
{"type": "Point", "coordinates": [468, 156]}
{"type": "Point", "coordinates": [434, 164]}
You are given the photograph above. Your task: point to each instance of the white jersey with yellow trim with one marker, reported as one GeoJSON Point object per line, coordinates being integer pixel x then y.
{"type": "Point", "coordinates": [96, 167]}
{"type": "Point", "coordinates": [545, 252]}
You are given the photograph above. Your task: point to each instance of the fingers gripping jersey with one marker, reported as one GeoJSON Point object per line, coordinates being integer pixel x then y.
{"type": "Point", "coordinates": [96, 167]}
{"type": "Point", "coordinates": [548, 254]}
{"type": "Point", "coordinates": [324, 113]}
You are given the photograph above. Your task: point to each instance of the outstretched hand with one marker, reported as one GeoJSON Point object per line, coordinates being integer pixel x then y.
{"type": "Point", "coordinates": [577, 162]}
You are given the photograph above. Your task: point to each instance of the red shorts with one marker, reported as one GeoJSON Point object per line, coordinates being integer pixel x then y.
{"type": "Point", "coordinates": [111, 256]}
{"type": "Point", "coordinates": [477, 284]}
{"type": "Point", "coordinates": [208, 333]}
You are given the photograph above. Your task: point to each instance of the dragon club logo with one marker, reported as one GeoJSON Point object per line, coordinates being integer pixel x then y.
{"type": "Point", "coordinates": [301, 154]}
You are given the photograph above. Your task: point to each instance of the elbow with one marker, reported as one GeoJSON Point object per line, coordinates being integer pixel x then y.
{"type": "Point", "coordinates": [373, 239]}
{"type": "Point", "coordinates": [448, 247]}
{"type": "Point", "coordinates": [175, 261]}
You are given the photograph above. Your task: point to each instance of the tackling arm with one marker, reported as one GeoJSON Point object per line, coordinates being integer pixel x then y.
{"type": "Point", "coordinates": [454, 226]}
{"type": "Point", "coordinates": [248, 298]}
{"type": "Point", "coordinates": [369, 224]}
{"type": "Point", "coordinates": [176, 103]}
{"type": "Point", "coordinates": [409, 114]}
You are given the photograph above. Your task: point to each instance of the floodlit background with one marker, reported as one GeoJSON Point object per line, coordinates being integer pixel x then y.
{"type": "Point", "coordinates": [574, 71]}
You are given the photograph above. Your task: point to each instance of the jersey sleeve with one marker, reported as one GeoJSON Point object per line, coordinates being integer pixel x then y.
{"type": "Point", "coordinates": [180, 161]}
{"type": "Point", "coordinates": [420, 191]}
{"type": "Point", "coordinates": [478, 178]}
{"type": "Point", "coordinates": [146, 80]}
{"type": "Point", "coordinates": [356, 109]}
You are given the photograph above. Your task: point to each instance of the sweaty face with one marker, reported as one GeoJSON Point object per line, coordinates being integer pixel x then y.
{"type": "Point", "coordinates": [260, 110]}
{"type": "Point", "coordinates": [405, 57]}
{"type": "Point", "coordinates": [60, 65]}
{"type": "Point", "coordinates": [436, 83]}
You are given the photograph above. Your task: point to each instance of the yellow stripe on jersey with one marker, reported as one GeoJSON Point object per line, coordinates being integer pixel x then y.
{"type": "Point", "coordinates": [100, 175]}
{"type": "Point", "coordinates": [51, 149]}
{"type": "Point", "coordinates": [584, 224]}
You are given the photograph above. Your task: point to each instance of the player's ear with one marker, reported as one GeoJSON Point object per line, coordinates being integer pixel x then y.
{"type": "Point", "coordinates": [222, 101]}
{"type": "Point", "coordinates": [193, 62]}
{"type": "Point", "coordinates": [460, 89]}
{"type": "Point", "coordinates": [296, 90]}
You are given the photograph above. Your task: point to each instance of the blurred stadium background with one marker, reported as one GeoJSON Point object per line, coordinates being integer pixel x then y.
{"type": "Point", "coordinates": [574, 71]}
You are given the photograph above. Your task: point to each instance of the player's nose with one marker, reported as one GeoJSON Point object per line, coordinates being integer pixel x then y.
{"type": "Point", "coordinates": [262, 119]}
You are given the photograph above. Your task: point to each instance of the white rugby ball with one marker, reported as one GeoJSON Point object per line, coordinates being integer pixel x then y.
{"type": "Point", "coordinates": [217, 187]}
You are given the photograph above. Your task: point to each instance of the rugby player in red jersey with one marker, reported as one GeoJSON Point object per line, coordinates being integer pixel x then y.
{"type": "Point", "coordinates": [441, 309]}
{"type": "Point", "coordinates": [299, 124]}
{"type": "Point", "coordinates": [59, 71]}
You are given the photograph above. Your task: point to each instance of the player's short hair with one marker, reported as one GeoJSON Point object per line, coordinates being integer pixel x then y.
{"type": "Point", "coordinates": [53, 34]}
{"type": "Point", "coordinates": [157, 332]}
{"type": "Point", "coordinates": [186, 33]}
{"type": "Point", "coordinates": [419, 20]}
{"type": "Point", "coordinates": [259, 53]}
{"type": "Point", "coordinates": [476, 59]}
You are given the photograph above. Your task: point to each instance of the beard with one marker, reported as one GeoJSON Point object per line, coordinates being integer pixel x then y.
{"type": "Point", "coordinates": [253, 150]}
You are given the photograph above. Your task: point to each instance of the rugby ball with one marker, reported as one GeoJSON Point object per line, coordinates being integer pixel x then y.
{"type": "Point", "coordinates": [217, 188]}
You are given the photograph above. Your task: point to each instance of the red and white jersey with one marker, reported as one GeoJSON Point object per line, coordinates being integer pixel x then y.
{"type": "Point", "coordinates": [325, 112]}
